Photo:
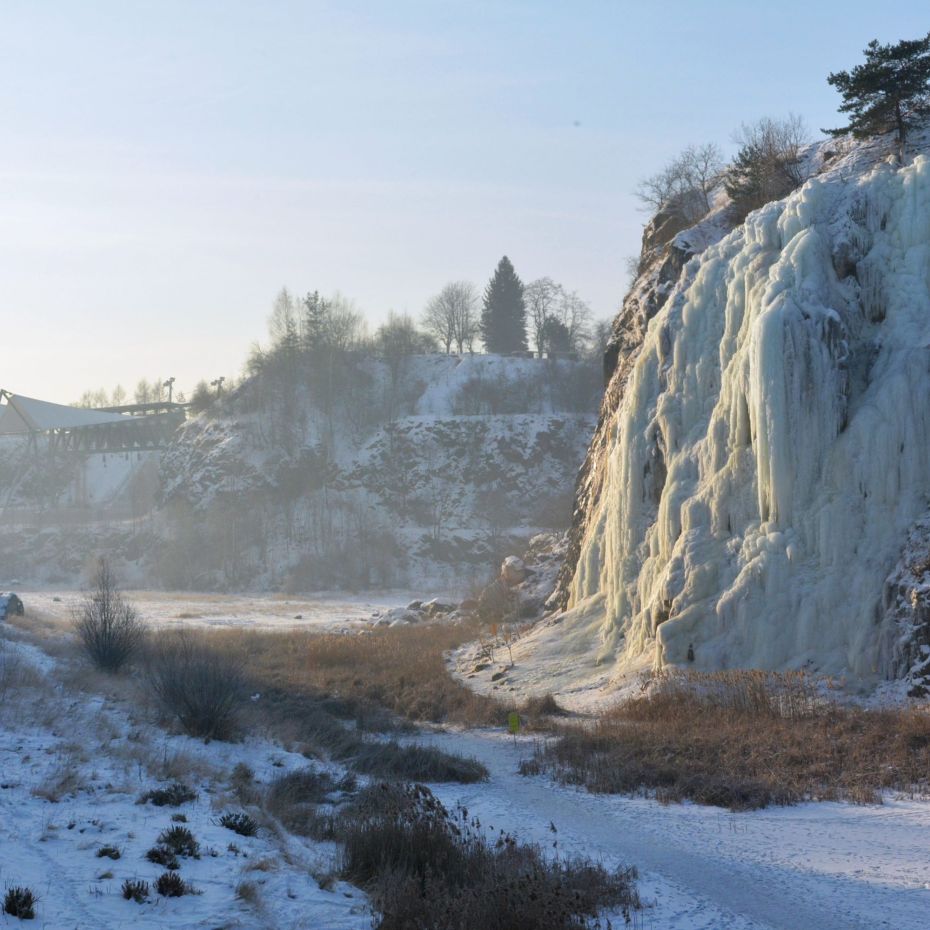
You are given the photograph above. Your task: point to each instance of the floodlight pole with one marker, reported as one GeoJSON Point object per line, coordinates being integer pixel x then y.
{"type": "Point", "coordinates": [170, 385]}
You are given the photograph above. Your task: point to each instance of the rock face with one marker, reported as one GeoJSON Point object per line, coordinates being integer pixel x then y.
{"type": "Point", "coordinates": [764, 445]}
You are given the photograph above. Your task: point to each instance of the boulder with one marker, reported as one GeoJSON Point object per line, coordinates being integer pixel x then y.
{"type": "Point", "coordinates": [513, 571]}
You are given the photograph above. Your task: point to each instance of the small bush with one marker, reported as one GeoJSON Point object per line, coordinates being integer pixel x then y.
{"type": "Point", "coordinates": [171, 885]}
{"type": "Point", "coordinates": [163, 856]}
{"type": "Point", "coordinates": [239, 822]}
{"type": "Point", "coordinates": [197, 684]}
{"type": "Point", "coordinates": [174, 795]}
{"type": "Point", "coordinates": [109, 629]}
{"type": "Point", "coordinates": [178, 818]}
{"type": "Point", "coordinates": [110, 852]}
{"type": "Point", "coordinates": [293, 798]}
{"type": "Point", "coordinates": [416, 763]}
{"type": "Point", "coordinates": [20, 902]}
{"type": "Point", "coordinates": [135, 890]}
{"type": "Point", "coordinates": [425, 867]}
{"type": "Point", "coordinates": [181, 841]}
{"type": "Point", "coordinates": [543, 706]}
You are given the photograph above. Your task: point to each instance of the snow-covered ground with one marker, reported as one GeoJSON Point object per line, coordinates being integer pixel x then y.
{"type": "Point", "coordinates": [71, 771]}
{"type": "Point", "coordinates": [813, 866]}
{"type": "Point", "coordinates": [256, 611]}
{"type": "Point", "coordinates": [823, 866]}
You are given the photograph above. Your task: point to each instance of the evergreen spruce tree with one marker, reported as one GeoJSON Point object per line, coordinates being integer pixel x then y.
{"type": "Point", "coordinates": [503, 315]}
{"type": "Point", "coordinates": [890, 91]}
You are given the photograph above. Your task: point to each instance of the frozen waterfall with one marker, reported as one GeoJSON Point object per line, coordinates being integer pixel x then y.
{"type": "Point", "coordinates": [772, 446]}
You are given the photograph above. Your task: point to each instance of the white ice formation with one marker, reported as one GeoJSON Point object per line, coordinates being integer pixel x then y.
{"type": "Point", "coordinates": [772, 446]}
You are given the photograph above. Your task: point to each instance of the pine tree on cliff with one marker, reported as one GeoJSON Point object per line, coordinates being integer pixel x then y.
{"type": "Point", "coordinates": [890, 91]}
{"type": "Point", "coordinates": [503, 315]}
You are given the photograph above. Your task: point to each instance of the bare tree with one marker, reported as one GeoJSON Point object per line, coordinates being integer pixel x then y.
{"type": "Point", "coordinates": [109, 629]}
{"type": "Point", "coordinates": [768, 165]}
{"type": "Point", "coordinates": [575, 315]}
{"type": "Point", "coordinates": [143, 392]}
{"type": "Point", "coordinates": [684, 186]}
{"type": "Point", "coordinates": [452, 316]}
{"type": "Point", "coordinates": [541, 297]}
{"type": "Point", "coordinates": [283, 326]}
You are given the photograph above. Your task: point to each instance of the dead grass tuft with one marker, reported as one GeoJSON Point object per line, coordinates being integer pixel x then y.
{"type": "Point", "coordinates": [743, 740]}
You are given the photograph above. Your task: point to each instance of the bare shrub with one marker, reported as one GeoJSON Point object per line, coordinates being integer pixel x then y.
{"type": "Point", "coordinates": [416, 763]}
{"type": "Point", "coordinates": [543, 706]}
{"type": "Point", "coordinates": [109, 628]}
{"type": "Point", "coordinates": [163, 856]}
{"type": "Point", "coordinates": [239, 822]}
{"type": "Point", "coordinates": [293, 799]}
{"type": "Point", "coordinates": [425, 867]}
{"type": "Point", "coordinates": [171, 885]}
{"type": "Point", "coordinates": [682, 189]}
{"type": "Point", "coordinates": [173, 795]}
{"type": "Point", "coordinates": [768, 165]}
{"type": "Point", "coordinates": [197, 684]}
{"type": "Point", "coordinates": [181, 841]}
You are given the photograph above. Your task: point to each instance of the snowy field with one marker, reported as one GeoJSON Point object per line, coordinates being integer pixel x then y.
{"type": "Point", "coordinates": [72, 771]}
{"type": "Point", "coordinates": [258, 611]}
{"type": "Point", "coordinates": [822, 866]}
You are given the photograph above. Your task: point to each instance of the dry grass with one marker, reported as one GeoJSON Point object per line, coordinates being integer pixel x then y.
{"type": "Point", "coordinates": [744, 740]}
{"type": "Point", "coordinates": [424, 866]}
{"type": "Point", "coordinates": [400, 669]}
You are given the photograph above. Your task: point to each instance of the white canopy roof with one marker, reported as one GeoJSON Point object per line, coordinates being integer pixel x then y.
{"type": "Point", "coordinates": [27, 415]}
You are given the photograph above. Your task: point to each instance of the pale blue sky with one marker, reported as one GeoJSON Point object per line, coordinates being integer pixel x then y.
{"type": "Point", "coordinates": [167, 166]}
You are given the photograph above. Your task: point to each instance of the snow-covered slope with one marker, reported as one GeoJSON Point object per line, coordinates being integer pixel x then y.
{"type": "Point", "coordinates": [764, 447]}
{"type": "Point", "coordinates": [424, 474]}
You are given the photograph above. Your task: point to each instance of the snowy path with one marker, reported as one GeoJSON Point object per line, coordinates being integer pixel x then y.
{"type": "Point", "coordinates": [814, 866]}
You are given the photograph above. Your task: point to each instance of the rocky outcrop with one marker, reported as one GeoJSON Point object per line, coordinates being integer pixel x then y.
{"type": "Point", "coordinates": [762, 445]}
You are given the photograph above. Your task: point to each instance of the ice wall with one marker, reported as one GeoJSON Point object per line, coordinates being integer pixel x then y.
{"type": "Point", "coordinates": [772, 446]}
